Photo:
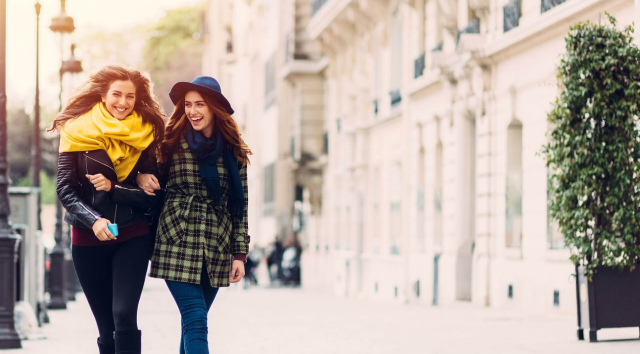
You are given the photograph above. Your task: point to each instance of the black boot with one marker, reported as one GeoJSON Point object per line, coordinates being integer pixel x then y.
{"type": "Point", "coordinates": [106, 348]}
{"type": "Point", "coordinates": [128, 342]}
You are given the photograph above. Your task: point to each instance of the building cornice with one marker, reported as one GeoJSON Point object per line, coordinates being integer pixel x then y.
{"type": "Point", "coordinates": [562, 16]}
{"type": "Point", "coordinates": [302, 67]}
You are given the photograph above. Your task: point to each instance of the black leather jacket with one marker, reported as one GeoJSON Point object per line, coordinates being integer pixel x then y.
{"type": "Point", "coordinates": [125, 205]}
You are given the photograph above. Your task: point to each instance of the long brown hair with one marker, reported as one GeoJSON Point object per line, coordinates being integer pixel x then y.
{"type": "Point", "coordinates": [92, 91]}
{"type": "Point", "coordinates": [178, 123]}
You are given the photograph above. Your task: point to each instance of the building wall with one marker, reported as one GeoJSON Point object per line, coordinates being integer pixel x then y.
{"type": "Point", "coordinates": [438, 198]}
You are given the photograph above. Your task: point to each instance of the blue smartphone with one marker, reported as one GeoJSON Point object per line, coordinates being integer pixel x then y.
{"type": "Point", "coordinates": [114, 229]}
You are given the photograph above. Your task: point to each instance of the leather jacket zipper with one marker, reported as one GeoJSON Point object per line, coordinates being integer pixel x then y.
{"type": "Point", "coordinates": [102, 163]}
{"type": "Point", "coordinates": [93, 192]}
{"type": "Point", "coordinates": [88, 211]}
{"type": "Point", "coordinates": [127, 189]}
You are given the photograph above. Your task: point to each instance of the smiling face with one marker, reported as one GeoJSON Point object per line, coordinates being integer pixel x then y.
{"type": "Point", "coordinates": [199, 114]}
{"type": "Point", "coordinates": [120, 99]}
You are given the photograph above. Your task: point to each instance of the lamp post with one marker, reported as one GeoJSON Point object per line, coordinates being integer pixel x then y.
{"type": "Point", "coordinates": [60, 255]}
{"type": "Point", "coordinates": [8, 240]}
{"type": "Point", "coordinates": [71, 66]}
{"type": "Point", "coordinates": [35, 149]}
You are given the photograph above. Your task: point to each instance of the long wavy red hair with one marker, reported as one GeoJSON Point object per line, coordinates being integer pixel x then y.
{"type": "Point", "coordinates": [92, 91]}
{"type": "Point", "coordinates": [178, 123]}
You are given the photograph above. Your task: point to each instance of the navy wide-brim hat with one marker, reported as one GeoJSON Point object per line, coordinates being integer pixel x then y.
{"type": "Point", "coordinates": [203, 84]}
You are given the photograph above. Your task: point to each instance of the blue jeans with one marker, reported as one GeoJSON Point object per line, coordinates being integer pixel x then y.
{"type": "Point", "coordinates": [194, 302]}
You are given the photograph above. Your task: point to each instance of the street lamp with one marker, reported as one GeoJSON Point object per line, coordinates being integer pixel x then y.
{"type": "Point", "coordinates": [9, 241]}
{"type": "Point", "coordinates": [71, 66]}
{"type": "Point", "coordinates": [35, 149]}
{"type": "Point", "coordinates": [60, 255]}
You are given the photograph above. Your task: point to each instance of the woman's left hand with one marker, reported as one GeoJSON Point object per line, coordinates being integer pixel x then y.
{"type": "Point", "coordinates": [100, 182]}
{"type": "Point", "coordinates": [237, 271]}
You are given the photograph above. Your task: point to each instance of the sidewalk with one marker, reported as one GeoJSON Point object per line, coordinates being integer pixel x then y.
{"type": "Point", "coordinates": [282, 320]}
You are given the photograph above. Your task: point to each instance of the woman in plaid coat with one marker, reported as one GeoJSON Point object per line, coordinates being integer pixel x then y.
{"type": "Point", "coordinates": [202, 241]}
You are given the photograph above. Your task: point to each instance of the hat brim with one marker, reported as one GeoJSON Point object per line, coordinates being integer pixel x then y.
{"type": "Point", "coordinates": [181, 88]}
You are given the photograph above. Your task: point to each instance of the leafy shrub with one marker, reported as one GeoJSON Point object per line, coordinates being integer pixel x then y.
{"type": "Point", "coordinates": [593, 153]}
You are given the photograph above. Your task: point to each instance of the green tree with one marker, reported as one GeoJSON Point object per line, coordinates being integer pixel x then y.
{"type": "Point", "coordinates": [593, 153]}
{"type": "Point", "coordinates": [173, 51]}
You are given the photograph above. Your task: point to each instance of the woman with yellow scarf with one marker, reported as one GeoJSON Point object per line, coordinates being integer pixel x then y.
{"type": "Point", "coordinates": [108, 128]}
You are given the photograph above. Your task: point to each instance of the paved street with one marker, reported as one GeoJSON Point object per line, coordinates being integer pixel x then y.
{"type": "Point", "coordinates": [270, 321]}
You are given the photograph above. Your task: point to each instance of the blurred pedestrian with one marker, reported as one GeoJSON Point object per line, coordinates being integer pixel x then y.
{"type": "Point", "coordinates": [107, 130]}
{"type": "Point", "coordinates": [274, 261]}
{"type": "Point", "coordinates": [204, 222]}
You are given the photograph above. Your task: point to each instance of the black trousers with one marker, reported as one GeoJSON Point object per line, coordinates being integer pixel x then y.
{"type": "Point", "coordinates": [112, 277]}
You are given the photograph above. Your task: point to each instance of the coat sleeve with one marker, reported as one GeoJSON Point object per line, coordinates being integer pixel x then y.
{"type": "Point", "coordinates": [132, 195]}
{"type": "Point", "coordinates": [240, 237]}
{"type": "Point", "coordinates": [68, 190]}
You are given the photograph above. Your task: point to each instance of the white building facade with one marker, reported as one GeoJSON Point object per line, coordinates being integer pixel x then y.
{"type": "Point", "coordinates": [420, 123]}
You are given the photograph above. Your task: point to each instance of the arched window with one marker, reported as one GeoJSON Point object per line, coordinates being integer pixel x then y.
{"type": "Point", "coordinates": [513, 223]}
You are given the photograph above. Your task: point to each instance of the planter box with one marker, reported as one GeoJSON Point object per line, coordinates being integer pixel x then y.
{"type": "Point", "coordinates": [610, 300]}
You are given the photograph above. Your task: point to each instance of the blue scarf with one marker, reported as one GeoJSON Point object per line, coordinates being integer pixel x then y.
{"type": "Point", "coordinates": [207, 150]}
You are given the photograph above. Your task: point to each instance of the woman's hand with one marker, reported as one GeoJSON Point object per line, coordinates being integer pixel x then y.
{"type": "Point", "coordinates": [101, 230]}
{"type": "Point", "coordinates": [100, 182]}
{"type": "Point", "coordinates": [237, 271]}
{"type": "Point", "coordinates": [148, 183]}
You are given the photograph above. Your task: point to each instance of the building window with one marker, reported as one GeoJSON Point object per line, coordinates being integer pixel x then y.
{"type": "Point", "coordinates": [437, 197]}
{"type": "Point", "coordinates": [511, 15]}
{"type": "Point", "coordinates": [347, 228]}
{"type": "Point", "coordinates": [396, 60]}
{"type": "Point", "coordinates": [546, 5]}
{"type": "Point", "coordinates": [325, 143]}
{"type": "Point", "coordinates": [316, 5]}
{"type": "Point", "coordinates": [420, 61]}
{"type": "Point", "coordinates": [270, 82]}
{"type": "Point", "coordinates": [269, 188]}
{"type": "Point", "coordinates": [377, 58]}
{"type": "Point", "coordinates": [395, 208]}
{"type": "Point", "coordinates": [420, 232]}
{"type": "Point", "coordinates": [229, 35]}
{"type": "Point", "coordinates": [338, 228]}
{"type": "Point", "coordinates": [375, 244]}
{"type": "Point", "coordinates": [472, 28]}
{"type": "Point", "coordinates": [513, 225]}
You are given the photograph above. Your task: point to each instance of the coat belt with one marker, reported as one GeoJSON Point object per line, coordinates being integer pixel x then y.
{"type": "Point", "coordinates": [186, 207]}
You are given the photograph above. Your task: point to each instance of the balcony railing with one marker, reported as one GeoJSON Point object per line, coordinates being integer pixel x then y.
{"type": "Point", "coordinates": [546, 5]}
{"type": "Point", "coordinates": [512, 15]}
{"type": "Point", "coordinates": [316, 5]}
{"type": "Point", "coordinates": [472, 27]}
{"type": "Point", "coordinates": [396, 97]}
{"type": "Point", "coordinates": [419, 66]}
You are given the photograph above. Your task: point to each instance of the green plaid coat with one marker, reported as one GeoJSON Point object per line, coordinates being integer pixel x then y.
{"type": "Point", "coordinates": [192, 229]}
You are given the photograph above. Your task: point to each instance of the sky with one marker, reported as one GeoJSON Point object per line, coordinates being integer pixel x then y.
{"type": "Point", "coordinates": [89, 15]}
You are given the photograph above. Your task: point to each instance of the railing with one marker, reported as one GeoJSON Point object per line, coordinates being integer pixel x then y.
{"type": "Point", "coordinates": [472, 27]}
{"type": "Point", "coordinates": [419, 65]}
{"type": "Point", "coordinates": [396, 97]}
{"type": "Point", "coordinates": [546, 5]}
{"type": "Point", "coordinates": [316, 5]}
{"type": "Point", "coordinates": [512, 13]}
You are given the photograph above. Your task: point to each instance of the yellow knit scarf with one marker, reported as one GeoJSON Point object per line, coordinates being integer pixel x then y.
{"type": "Point", "coordinates": [123, 140]}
